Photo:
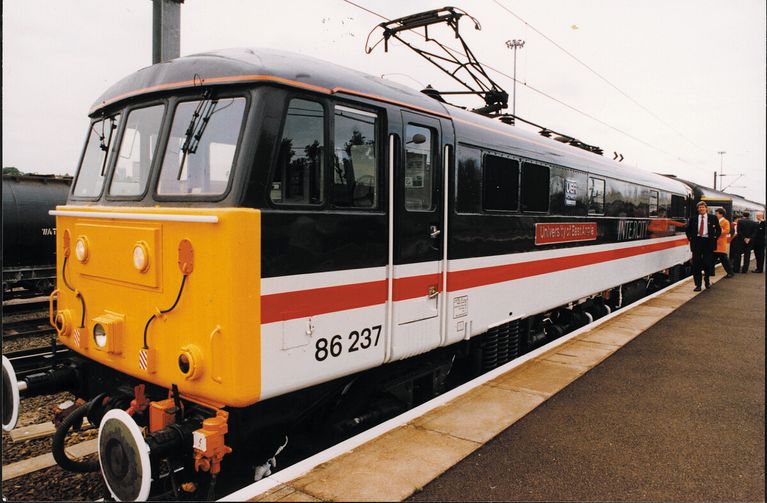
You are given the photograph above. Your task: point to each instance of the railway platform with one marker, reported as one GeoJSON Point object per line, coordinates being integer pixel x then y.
{"type": "Point", "coordinates": [663, 401]}
{"type": "Point", "coordinates": [675, 415]}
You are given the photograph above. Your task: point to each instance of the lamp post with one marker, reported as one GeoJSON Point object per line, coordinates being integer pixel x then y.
{"type": "Point", "coordinates": [721, 162]}
{"type": "Point", "coordinates": [166, 30]}
{"type": "Point", "coordinates": [514, 44]}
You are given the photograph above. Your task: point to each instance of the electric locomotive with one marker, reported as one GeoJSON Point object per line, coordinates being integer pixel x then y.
{"type": "Point", "coordinates": [256, 239]}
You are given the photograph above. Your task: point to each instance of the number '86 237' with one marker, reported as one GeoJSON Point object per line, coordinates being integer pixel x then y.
{"type": "Point", "coordinates": [356, 340]}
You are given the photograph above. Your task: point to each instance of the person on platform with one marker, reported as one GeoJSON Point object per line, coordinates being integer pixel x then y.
{"type": "Point", "coordinates": [723, 244]}
{"type": "Point", "coordinates": [746, 231]}
{"type": "Point", "coordinates": [736, 244]}
{"type": "Point", "coordinates": [759, 242]}
{"type": "Point", "coordinates": [702, 231]}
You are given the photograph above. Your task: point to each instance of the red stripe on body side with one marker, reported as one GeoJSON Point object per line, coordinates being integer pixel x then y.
{"type": "Point", "coordinates": [303, 303]}
{"type": "Point", "coordinates": [315, 301]}
{"type": "Point", "coordinates": [415, 286]}
{"type": "Point", "coordinates": [460, 280]}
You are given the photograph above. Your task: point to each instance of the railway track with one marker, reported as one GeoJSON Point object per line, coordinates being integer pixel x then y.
{"type": "Point", "coordinates": [21, 294]}
{"type": "Point", "coordinates": [29, 471]}
{"type": "Point", "coordinates": [27, 334]}
{"type": "Point", "coordinates": [32, 327]}
{"type": "Point", "coordinates": [33, 305]}
{"type": "Point", "coordinates": [25, 326]}
{"type": "Point", "coordinates": [32, 360]}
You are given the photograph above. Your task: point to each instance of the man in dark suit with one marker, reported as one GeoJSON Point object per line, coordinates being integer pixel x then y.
{"type": "Point", "coordinates": [746, 231]}
{"type": "Point", "coordinates": [759, 240]}
{"type": "Point", "coordinates": [702, 231]}
{"type": "Point", "coordinates": [736, 244]}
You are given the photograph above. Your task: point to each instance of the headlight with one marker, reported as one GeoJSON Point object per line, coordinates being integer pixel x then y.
{"type": "Point", "coordinates": [81, 249]}
{"type": "Point", "coordinates": [140, 257]}
{"type": "Point", "coordinates": [99, 335]}
{"type": "Point", "coordinates": [108, 332]}
{"type": "Point", "coordinates": [184, 365]}
{"type": "Point", "coordinates": [190, 362]}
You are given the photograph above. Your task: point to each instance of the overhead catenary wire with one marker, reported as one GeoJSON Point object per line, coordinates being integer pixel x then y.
{"type": "Point", "coordinates": [601, 77]}
{"type": "Point", "coordinates": [542, 93]}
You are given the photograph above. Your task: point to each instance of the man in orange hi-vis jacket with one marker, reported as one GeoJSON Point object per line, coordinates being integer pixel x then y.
{"type": "Point", "coordinates": [723, 244]}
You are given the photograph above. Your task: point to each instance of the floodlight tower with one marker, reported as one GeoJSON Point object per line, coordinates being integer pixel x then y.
{"type": "Point", "coordinates": [721, 172]}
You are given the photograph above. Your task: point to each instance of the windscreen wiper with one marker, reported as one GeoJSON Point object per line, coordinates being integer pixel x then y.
{"type": "Point", "coordinates": [196, 128]}
{"type": "Point", "coordinates": [105, 148]}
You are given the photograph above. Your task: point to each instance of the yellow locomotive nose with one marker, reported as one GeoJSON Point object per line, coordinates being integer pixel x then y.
{"type": "Point", "coordinates": [161, 294]}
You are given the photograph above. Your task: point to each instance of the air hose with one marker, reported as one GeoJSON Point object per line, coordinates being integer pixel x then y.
{"type": "Point", "coordinates": [57, 448]}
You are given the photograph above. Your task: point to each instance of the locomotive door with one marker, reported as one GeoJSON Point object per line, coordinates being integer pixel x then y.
{"type": "Point", "coordinates": [417, 238]}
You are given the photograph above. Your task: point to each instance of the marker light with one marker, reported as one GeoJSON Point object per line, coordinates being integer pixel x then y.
{"type": "Point", "coordinates": [99, 335]}
{"type": "Point", "coordinates": [140, 257]}
{"type": "Point", "coordinates": [81, 249]}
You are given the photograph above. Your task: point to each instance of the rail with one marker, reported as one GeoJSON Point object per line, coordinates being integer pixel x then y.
{"type": "Point", "coordinates": [30, 361]}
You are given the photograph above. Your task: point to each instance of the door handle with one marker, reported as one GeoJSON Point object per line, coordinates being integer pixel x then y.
{"type": "Point", "coordinates": [434, 231]}
{"type": "Point", "coordinates": [433, 292]}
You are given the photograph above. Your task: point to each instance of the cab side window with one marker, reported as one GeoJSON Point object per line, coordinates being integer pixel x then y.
{"type": "Point", "coordinates": [298, 176]}
{"type": "Point", "coordinates": [469, 180]}
{"type": "Point", "coordinates": [355, 166]}
{"type": "Point", "coordinates": [419, 176]}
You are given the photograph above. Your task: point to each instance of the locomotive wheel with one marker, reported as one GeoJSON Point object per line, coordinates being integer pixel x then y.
{"type": "Point", "coordinates": [11, 399]}
{"type": "Point", "coordinates": [124, 457]}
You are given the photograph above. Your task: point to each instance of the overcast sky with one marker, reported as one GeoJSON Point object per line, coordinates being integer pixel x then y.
{"type": "Point", "coordinates": [666, 83]}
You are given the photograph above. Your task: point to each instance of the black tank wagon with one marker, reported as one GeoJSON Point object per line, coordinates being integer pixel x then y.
{"type": "Point", "coordinates": [29, 232]}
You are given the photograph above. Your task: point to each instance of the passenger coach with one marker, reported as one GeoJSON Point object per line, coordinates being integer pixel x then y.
{"type": "Point", "coordinates": [253, 235]}
{"type": "Point", "coordinates": [732, 204]}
